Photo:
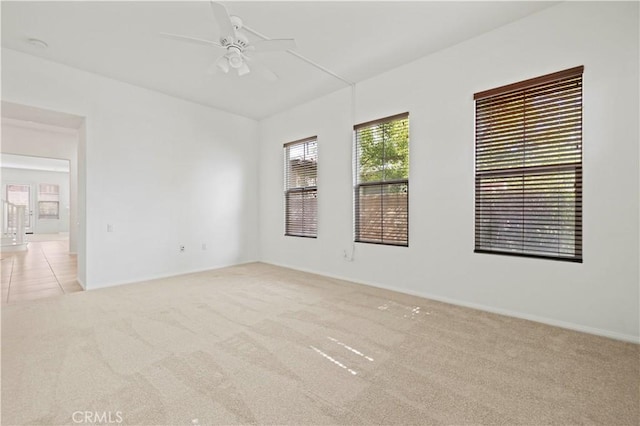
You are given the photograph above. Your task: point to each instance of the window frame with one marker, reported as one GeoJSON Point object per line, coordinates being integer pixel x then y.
{"type": "Point", "coordinates": [295, 190]}
{"type": "Point", "coordinates": [46, 216]}
{"type": "Point", "coordinates": [552, 174]}
{"type": "Point", "coordinates": [358, 185]}
{"type": "Point", "coordinates": [49, 197]}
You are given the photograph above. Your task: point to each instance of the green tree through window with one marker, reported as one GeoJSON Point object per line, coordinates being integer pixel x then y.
{"type": "Point", "coordinates": [382, 187]}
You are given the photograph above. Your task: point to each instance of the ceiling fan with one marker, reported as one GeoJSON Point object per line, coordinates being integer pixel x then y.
{"type": "Point", "coordinates": [236, 45]}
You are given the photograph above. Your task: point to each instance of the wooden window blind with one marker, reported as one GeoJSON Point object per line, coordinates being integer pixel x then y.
{"type": "Point", "coordinates": [528, 168]}
{"type": "Point", "coordinates": [301, 191]}
{"type": "Point", "coordinates": [381, 195]}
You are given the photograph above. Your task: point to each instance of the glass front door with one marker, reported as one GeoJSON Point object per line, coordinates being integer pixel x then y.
{"type": "Point", "coordinates": [20, 195]}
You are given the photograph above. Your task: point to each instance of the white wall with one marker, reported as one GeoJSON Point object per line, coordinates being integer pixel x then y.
{"type": "Point", "coordinates": [165, 172]}
{"type": "Point", "coordinates": [34, 178]}
{"type": "Point", "coordinates": [38, 140]}
{"type": "Point", "coordinates": [600, 295]}
{"type": "Point", "coordinates": [162, 171]}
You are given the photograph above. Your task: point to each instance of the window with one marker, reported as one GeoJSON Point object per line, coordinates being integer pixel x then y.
{"type": "Point", "coordinates": [301, 191]}
{"type": "Point", "coordinates": [529, 168]}
{"type": "Point", "coordinates": [48, 201]}
{"type": "Point", "coordinates": [382, 181]}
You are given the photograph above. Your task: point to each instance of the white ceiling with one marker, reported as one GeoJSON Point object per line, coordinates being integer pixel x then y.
{"type": "Point", "coordinates": [356, 40]}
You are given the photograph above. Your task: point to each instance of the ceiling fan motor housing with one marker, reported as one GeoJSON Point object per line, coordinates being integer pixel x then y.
{"type": "Point", "coordinates": [241, 40]}
{"type": "Point", "coordinates": [226, 41]}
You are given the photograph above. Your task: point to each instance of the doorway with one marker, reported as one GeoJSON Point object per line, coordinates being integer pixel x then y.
{"type": "Point", "coordinates": [46, 268]}
{"type": "Point", "coordinates": [56, 208]}
{"type": "Point", "coordinates": [43, 187]}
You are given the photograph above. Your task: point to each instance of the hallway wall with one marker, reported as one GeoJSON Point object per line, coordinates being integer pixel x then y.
{"type": "Point", "coordinates": [160, 173]}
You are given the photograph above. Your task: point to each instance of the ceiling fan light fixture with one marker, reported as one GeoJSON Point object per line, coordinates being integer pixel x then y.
{"type": "Point", "coordinates": [243, 69]}
{"type": "Point", "coordinates": [235, 44]}
{"type": "Point", "coordinates": [235, 59]}
{"type": "Point", "coordinates": [223, 64]}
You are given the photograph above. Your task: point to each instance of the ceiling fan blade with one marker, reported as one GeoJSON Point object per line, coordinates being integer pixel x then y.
{"type": "Point", "coordinates": [222, 18]}
{"type": "Point", "coordinates": [191, 39]}
{"type": "Point", "coordinates": [274, 45]}
{"type": "Point", "coordinates": [263, 71]}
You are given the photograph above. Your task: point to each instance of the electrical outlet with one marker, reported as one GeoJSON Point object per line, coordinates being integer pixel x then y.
{"type": "Point", "coordinates": [181, 248]}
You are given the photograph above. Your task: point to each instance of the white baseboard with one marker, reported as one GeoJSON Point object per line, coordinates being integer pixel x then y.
{"type": "Point", "coordinates": [486, 308]}
{"type": "Point", "coordinates": [162, 276]}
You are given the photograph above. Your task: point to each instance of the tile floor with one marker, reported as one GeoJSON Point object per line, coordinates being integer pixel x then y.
{"type": "Point", "coordinates": [46, 269]}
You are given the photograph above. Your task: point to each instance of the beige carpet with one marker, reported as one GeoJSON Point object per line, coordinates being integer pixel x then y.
{"type": "Point", "coordinates": [259, 344]}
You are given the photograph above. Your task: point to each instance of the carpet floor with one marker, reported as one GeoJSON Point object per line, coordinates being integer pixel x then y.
{"type": "Point", "coordinates": [260, 344]}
